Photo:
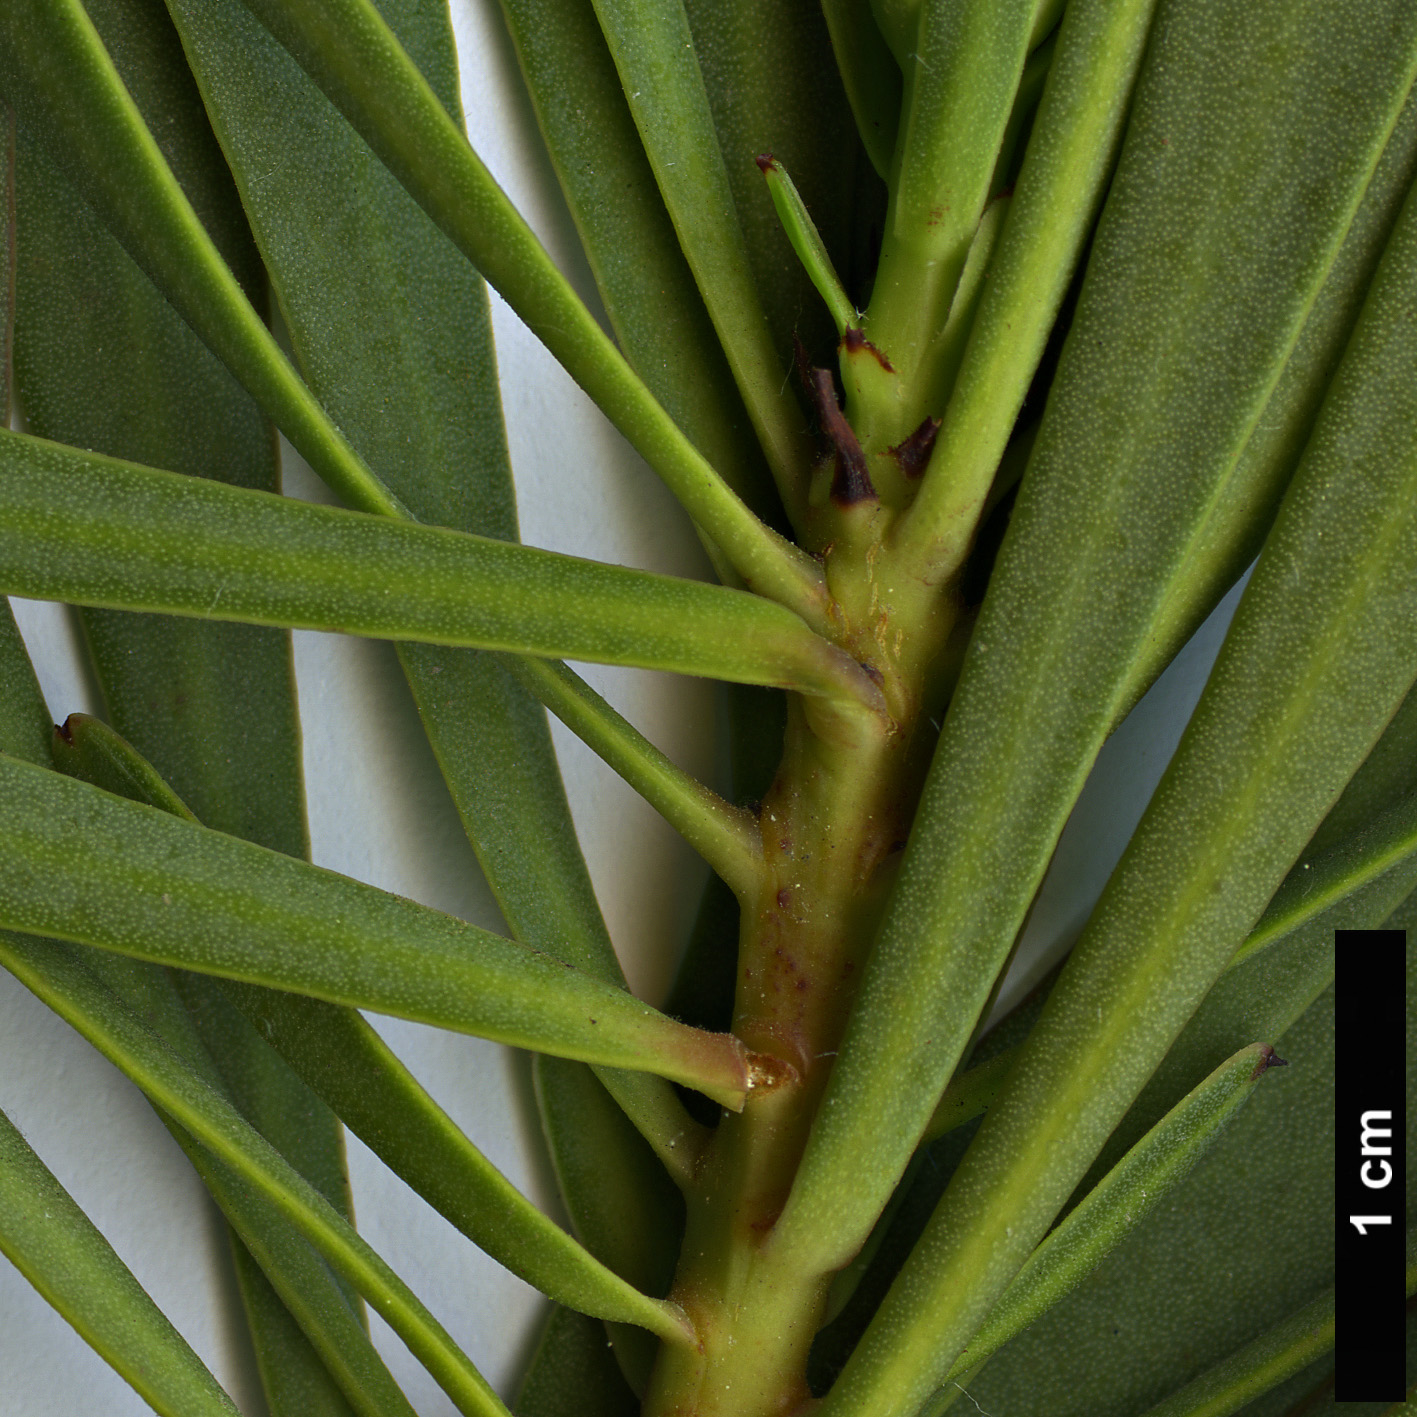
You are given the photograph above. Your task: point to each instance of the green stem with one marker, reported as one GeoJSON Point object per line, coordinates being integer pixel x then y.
{"type": "Point", "coordinates": [1055, 200]}
{"type": "Point", "coordinates": [960, 83]}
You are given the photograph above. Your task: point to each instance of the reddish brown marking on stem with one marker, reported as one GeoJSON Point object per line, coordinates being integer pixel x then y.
{"type": "Point", "coordinates": [855, 341]}
{"type": "Point", "coordinates": [65, 731]}
{"type": "Point", "coordinates": [913, 452]}
{"type": "Point", "coordinates": [766, 1072]}
{"type": "Point", "coordinates": [851, 483]}
{"type": "Point", "coordinates": [766, 162]}
{"type": "Point", "coordinates": [784, 898]}
{"type": "Point", "coordinates": [1268, 1059]}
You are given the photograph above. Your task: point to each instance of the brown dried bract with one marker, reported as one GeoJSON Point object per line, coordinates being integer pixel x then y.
{"type": "Point", "coordinates": [913, 452]}
{"type": "Point", "coordinates": [1268, 1059]}
{"type": "Point", "coordinates": [851, 482]}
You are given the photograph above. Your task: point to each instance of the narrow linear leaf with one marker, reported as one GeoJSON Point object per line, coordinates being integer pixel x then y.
{"type": "Point", "coordinates": [572, 1373]}
{"type": "Point", "coordinates": [1285, 963]}
{"type": "Point", "coordinates": [69, 97]}
{"type": "Point", "coordinates": [898, 22]}
{"type": "Point", "coordinates": [292, 1353]}
{"type": "Point", "coordinates": [1120, 1202]}
{"type": "Point", "coordinates": [85, 866]}
{"type": "Point", "coordinates": [93, 530]}
{"type": "Point", "coordinates": [640, 272]}
{"type": "Point", "coordinates": [1320, 882]}
{"type": "Point", "coordinates": [106, 363]}
{"type": "Point", "coordinates": [329, 1354]}
{"type": "Point", "coordinates": [350, 52]}
{"type": "Point", "coordinates": [654, 52]}
{"type": "Point", "coordinates": [870, 76]}
{"type": "Point", "coordinates": [1321, 653]}
{"type": "Point", "coordinates": [1226, 1259]}
{"type": "Point", "coordinates": [1070, 157]}
{"type": "Point", "coordinates": [969, 1095]}
{"type": "Point", "coordinates": [344, 1060]}
{"type": "Point", "coordinates": [311, 1346]}
{"type": "Point", "coordinates": [103, 362]}
{"type": "Point", "coordinates": [940, 367]}
{"type": "Point", "coordinates": [60, 1251]}
{"type": "Point", "coordinates": [315, 193]}
{"type": "Point", "coordinates": [1388, 774]}
{"type": "Point", "coordinates": [1260, 1365]}
{"type": "Point", "coordinates": [1241, 515]}
{"type": "Point", "coordinates": [25, 728]}
{"type": "Point", "coordinates": [1352, 888]}
{"type": "Point", "coordinates": [291, 1385]}
{"type": "Point", "coordinates": [1105, 520]}
{"type": "Point", "coordinates": [86, 748]}
{"type": "Point", "coordinates": [56, 975]}
{"type": "Point", "coordinates": [807, 242]}
{"type": "Point", "coordinates": [772, 86]}
{"type": "Point", "coordinates": [726, 837]}
{"type": "Point", "coordinates": [960, 80]}
{"type": "Point", "coordinates": [625, 1212]}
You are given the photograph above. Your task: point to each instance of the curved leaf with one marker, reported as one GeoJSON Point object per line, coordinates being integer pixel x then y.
{"type": "Point", "coordinates": [345, 1061]}
{"type": "Point", "coordinates": [59, 1250]}
{"type": "Point", "coordinates": [137, 538]}
{"type": "Point", "coordinates": [55, 973]}
{"type": "Point", "coordinates": [85, 866]}
{"type": "Point", "coordinates": [69, 97]}
{"type": "Point", "coordinates": [350, 52]}
{"type": "Point", "coordinates": [373, 295]}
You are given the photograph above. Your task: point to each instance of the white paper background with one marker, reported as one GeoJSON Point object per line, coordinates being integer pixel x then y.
{"type": "Point", "coordinates": [379, 812]}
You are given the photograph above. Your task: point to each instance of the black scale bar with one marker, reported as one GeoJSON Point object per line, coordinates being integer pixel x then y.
{"type": "Point", "coordinates": [1371, 1023]}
